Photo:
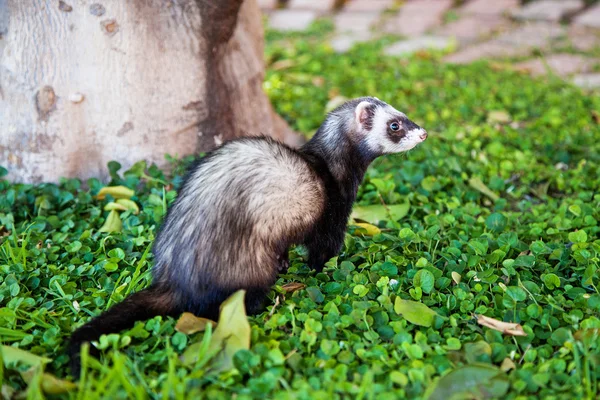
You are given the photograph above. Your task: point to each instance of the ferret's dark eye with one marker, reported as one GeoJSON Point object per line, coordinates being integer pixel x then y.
{"type": "Point", "coordinates": [395, 126]}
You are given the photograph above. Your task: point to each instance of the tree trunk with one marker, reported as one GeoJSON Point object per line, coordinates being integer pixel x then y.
{"type": "Point", "coordinates": [84, 82]}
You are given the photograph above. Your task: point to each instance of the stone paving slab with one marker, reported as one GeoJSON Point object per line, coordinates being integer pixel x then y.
{"type": "Point", "coordinates": [368, 5]}
{"type": "Point", "coordinates": [354, 21]}
{"type": "Point", "coordinates": [531, 35]}
{"type": "Point", "coordinates": [560, 64]}
{"type": "Point", "coordinates": [513, 43]}
{"type": "Point", "coordinates": [590, 17]}
{"type": "Point", "coordinates": [292, 20]}
{"type": "Point", "coordinates": [471, 28]}
{"type": "Point", "coordinates": [314, 5]}
{"type": "Point", "coordinates": [417, 17]}
{"type": "Point", "coordinates": [584, 39]}
{"type": "Point", "coordinates": [414, 45]}
{"type": "Point", "coordinates": [548, 10]}
{"type": "Point", "coordinates": [587, 81]}
{"type": "Point", "coordinates": [491, 49]}
{"type": "Point", "coordinates": [343, 42]}
{"type": "Point", "coordinates": [489, 7]}
{"type": "Point", "coordinates": [421, 23]}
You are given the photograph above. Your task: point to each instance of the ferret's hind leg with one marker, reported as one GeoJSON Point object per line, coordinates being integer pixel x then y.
{"type": "Point", "coordinates": [256, 300]}
{"type": "Point", "coordinates": [208, 304]}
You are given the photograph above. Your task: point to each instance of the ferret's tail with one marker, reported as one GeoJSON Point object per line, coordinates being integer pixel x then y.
{"type": "Point", "coordinates": [145, 304]}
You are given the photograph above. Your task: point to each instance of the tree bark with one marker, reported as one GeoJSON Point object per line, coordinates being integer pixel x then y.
{"type": "Point", "coordinates": [84, 82]}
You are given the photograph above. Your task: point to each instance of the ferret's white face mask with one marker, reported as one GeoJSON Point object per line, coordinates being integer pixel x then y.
{"type": "Point", "coordinates": [387, 130]}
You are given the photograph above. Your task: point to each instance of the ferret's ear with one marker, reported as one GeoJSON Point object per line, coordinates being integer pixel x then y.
{"type": "Point", "coordinates": [364, 114]}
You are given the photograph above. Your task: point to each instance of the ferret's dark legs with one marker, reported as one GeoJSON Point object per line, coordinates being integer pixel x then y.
{"type": "Point", "coordinates": [208, 304]}
{"type": "Point", "coordinates": [255, 300]}
{"type": "Point", "coordinates": [157, 300]}
{"type": "Point", "coordinates": [284, 262]}
{"type": "Point", "coordinates": [323, 246]}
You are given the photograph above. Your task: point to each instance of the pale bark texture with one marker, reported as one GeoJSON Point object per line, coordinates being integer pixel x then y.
{"type": "Point", "coordinates": [84, 82]}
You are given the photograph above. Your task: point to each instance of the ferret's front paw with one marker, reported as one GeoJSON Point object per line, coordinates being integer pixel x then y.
{"type": "Point", "coordinates": [283, 263]}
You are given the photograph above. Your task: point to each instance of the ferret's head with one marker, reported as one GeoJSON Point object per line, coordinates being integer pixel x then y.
{"type": "Point", "coordinates": [378, 128]}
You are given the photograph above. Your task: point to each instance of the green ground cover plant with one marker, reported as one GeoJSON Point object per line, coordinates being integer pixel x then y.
{"type": "Point", "coordinates": [495, 215]}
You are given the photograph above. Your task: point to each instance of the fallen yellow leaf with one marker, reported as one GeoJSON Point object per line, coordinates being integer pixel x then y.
{"type": "Point", "coordinates": [113, 223]}
{"type": "Point", "coordinates": [118, 192]}
{"type": "Point", "coordinates": [499, 116]}
{"type": "Point", "coordinates": [369, 229]}
{"type": "Point", "coordinates": [507, 328]}
{"type": "Point", "coordinates": [12, 355]}
{"type": "Point", "coordinates": [456, 277]}
{"type": "Point", "coordinates": [49, 383]}
{"type": "Point", "coordinates": [114, 206]}
{"type": "Point", "coordinates": [188, 323]}
{"type": "Point", "coordinates": [415, 312]}
{"type": "Point", "coordinates": [129, 205]}
{"type": "Point", "coordinates": [380, 212]}
{"type": "Point", "coordinates": [231, 335]}
{"type": "Point", "coordinates": [477, 184]}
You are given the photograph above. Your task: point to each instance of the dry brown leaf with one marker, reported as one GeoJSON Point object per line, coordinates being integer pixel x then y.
{"type": "Point", "coordinates": [583, 334]}
{"type": "Point", "coordinates": [507, 328]}
{"type": "Point", "coordinates": [318, 81]}
{"type": "Point", "coordinates": [498, 66]}
{"type": "Point", "coordinates": [293, 287]}
{"type": "Point", "coordinates": [283, 64]}
{"type": "Point", "coordinates": [188, 323]}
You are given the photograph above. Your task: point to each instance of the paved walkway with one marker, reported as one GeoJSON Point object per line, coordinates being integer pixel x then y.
{"type": "Point", "coordinates": [565, 32]}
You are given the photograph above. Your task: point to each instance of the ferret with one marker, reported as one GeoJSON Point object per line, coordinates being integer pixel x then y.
{"type": "Point", "coordinates": [245, 203]}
